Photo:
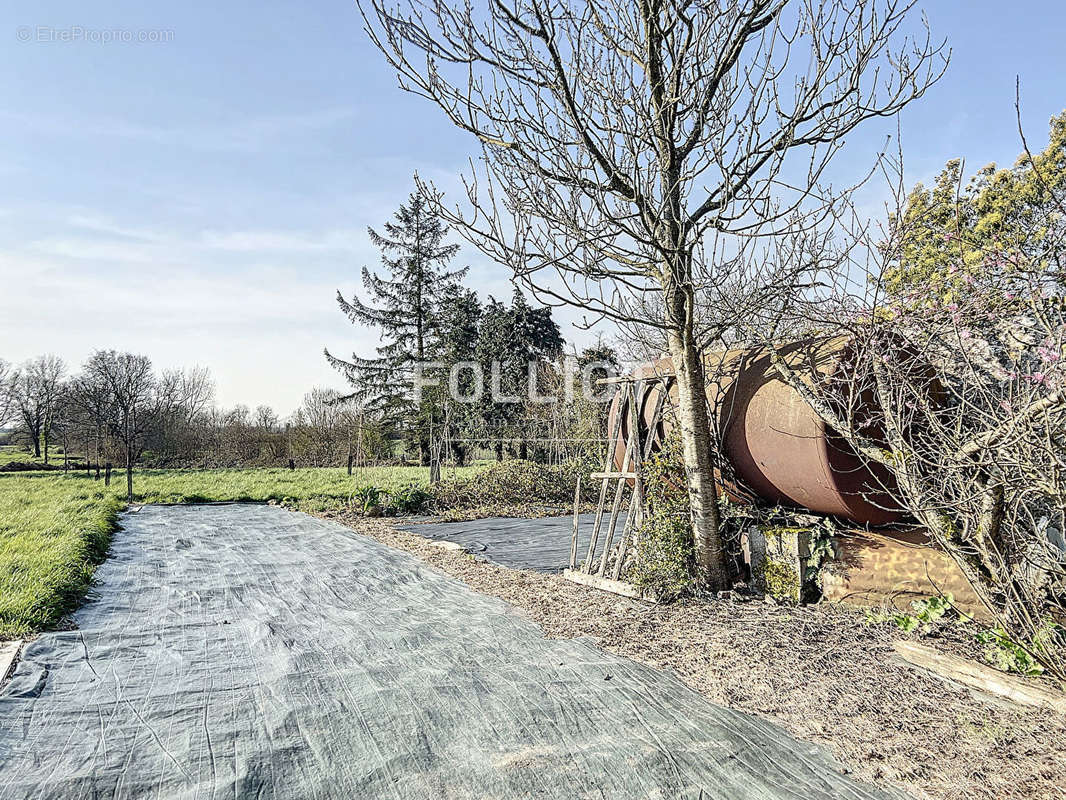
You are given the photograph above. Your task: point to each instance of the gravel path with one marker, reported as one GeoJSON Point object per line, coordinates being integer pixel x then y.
{"type": "Point", "coordinates": [249, 651]}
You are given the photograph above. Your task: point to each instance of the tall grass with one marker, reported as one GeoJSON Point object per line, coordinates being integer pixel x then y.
{"type": "Point", "coordinates": [52, 534]}
{"type": "Point", "coordinates": [316, 487]}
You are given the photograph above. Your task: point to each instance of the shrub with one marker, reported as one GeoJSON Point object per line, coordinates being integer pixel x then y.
{"type": "Point", "coordinates": [409, 499]}
{"type": "Point", "coordinates": [663, 554]}
{"type": "Point", "coordinates": [368, 499]}
{"type": "Point", "coordinates": [513, 482]}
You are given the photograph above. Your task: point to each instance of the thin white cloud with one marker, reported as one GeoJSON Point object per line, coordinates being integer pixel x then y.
{"type": "Point", "coordinates": [248, 134]}
{"type": "Point", "coordinates": [274, 241]}
{"type": "Point", "coordinates": [114, 243]}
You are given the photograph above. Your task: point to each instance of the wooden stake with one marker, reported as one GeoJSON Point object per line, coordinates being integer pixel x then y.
{"type": "Point", "coordinates": [627, 530]}
{"type": "Point", "coordinates": [978, 676]}
{"type": "Point", "coordinates": [573, 538]}
{"type": "Point", "coordinates": [611, 445]}
{"type": "Point", "coordinates": [636, 516]}
{"type": "Point", "coordinates": [630, 448]}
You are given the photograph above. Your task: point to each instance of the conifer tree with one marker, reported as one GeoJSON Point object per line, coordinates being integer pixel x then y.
{"type": "Point", "coordinates": [404, 303]}
{"type": "Point", "coordinates": [457, 325]}
{"type": "Point", "coordinates": [509, 340]}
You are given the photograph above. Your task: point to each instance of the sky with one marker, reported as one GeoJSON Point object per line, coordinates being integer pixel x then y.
{"type": "Point", "coordinates": [201, 196]}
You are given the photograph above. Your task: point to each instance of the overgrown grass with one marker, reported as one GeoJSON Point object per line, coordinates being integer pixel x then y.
{"type": "Point", "coordinates": [56, 527]}
{"type": "Point", "coordinates": [313, 489]}
{"type": "Point", "coordinates": [52, 534]}
{"type": "Point", "coordinates": [9, 453]}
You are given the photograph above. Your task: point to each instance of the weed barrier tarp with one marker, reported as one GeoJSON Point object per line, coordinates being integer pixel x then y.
{"type": "Point", "coordinates": [541, 544]}
{"type": "Point", "coordinates": [248, 651]}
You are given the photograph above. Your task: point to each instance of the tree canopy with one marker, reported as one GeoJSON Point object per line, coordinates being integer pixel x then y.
{"type": "Point", "coordinates": [954, 232]}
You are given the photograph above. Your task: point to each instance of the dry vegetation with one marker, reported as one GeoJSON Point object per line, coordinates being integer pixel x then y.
{"type": "Point", "coordinates": [818, 671]}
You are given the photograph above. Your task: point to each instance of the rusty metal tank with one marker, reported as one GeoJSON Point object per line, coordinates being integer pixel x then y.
{"type": "Point", "coordinates": [778, 450]}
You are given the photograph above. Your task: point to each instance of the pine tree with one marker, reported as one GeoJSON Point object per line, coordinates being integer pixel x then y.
{"type": "Point", "coordinates": [457, 324]}
{"type": "Point", "coordinates": [509, 340]}
{"type": "Point", "coordinates": [404, 304]}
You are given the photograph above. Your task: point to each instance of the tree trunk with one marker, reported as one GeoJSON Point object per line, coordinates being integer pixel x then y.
{"type": "Point", "coordinates": [986, 538]}
{"type": "Point", "coordinates": [697, 447]}
{"type": "Point", "coordinates": [459, 454]}
{"type": "Point", "coordinates": [129, 476]}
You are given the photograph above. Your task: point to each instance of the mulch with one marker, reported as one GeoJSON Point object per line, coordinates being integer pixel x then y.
{"type": "Point", "coordinates": [818, 671]}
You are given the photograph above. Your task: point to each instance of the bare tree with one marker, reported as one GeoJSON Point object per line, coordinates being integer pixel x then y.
{"type": "Point", "coordinates": [94, 397]}
{"type": "Point", "coordinates": [6, 404]}
{"type": "Point", "coordinates": [35, 391]}
{"type": "Point", "coordinates": [138, 399]}
{"type": "Point", "coordinates": [188, 393]}
{"type": "Point", "coordinates": [267, 426]}
{"type": "Point", "coordinates": [323, 414]}
{"type": "Point", "coordinates": [69, 422]}
{"type": "Point", "coordinates": [633, 148]}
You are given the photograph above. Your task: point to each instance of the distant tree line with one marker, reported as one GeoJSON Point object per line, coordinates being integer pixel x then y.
{"type": "Point", "coordinates": [119, 410]}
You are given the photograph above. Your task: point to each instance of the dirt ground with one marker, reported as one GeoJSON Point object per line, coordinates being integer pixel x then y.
{"type": "Point", "coordinates": [818, 671]}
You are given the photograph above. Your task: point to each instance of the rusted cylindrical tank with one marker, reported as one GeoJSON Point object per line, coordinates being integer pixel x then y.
{"type": "Point", "coordinates": [778, 448]}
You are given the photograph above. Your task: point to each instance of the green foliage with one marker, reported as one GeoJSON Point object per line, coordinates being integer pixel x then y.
{"type": "Point", "coordinates": [368, 499]}
{"type": "Point", "coordinates": [513, 482]}
{"type": "Point", "coordinates": [663, 558]}
{"type": "Point", "coordinates": [1004, 653]}
{"type": "Point", "coordinates": [508, 340]}
{"type": "Point", "coordinates": [53, 533]}
{"type": "Point", "coordinates": [821, 552]}
{"type": "Point", "coordinates": [409, 499]}
{"type": "Point", "coordinates": [927, 613]}
{"type": "Point", "coordinates": [953, 235]}
{"type": "Point", "coordinates": [375, 501]}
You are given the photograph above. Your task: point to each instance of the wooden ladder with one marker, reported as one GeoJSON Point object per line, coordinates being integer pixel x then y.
{"type": "Point", "coordinates": [637, 451]}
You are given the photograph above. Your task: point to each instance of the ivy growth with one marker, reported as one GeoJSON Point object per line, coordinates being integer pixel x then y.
{"type": "Point", "coordinates": [664, 557]}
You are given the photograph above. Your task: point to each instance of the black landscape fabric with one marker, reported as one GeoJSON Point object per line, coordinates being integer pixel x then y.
{"type": "Point", "coordinates": [249, 651]}
{"type": "Point", "coordinates": [539, 544]}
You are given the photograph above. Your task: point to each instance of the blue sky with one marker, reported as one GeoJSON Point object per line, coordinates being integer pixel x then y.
{"type": "Point", "coordinates": [201, 199]}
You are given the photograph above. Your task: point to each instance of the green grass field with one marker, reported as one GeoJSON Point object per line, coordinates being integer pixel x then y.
{"type": "Point", "coordinates": [55, 527]}
{"type": "Point", "coordinates": [9, 453]}
{"type": "Point", "coordinates": [52, 534]}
